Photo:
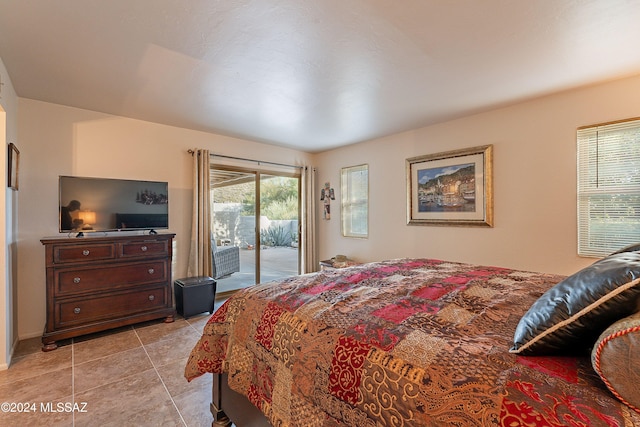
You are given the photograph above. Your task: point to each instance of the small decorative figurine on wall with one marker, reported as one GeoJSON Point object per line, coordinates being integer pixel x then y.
{"type": "Point", "coordinates": [327, 195]}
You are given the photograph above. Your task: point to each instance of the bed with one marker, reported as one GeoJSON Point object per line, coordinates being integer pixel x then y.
{"type": "Point", "coordinates": [423, 342]}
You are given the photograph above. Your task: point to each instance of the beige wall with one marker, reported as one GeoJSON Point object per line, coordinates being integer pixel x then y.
{"type": "Point", "coordinates": [8, 217]}
{"type": "Point", "coordinates": [534, 183]}
{"type": "Point", "coordinates": [58, 140]}
{"type": "Point", "coordinates": [534, 176]}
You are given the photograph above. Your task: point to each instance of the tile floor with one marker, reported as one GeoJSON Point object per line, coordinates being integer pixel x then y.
{"type": "Point", "coordinates": [131, 376]}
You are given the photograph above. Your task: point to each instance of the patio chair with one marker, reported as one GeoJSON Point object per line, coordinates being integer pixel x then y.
{"type": "Point", "coordinates": [226, 260]}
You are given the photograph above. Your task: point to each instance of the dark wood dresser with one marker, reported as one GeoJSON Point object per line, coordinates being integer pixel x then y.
{"type": "Point", "coordinates": [99, 283]}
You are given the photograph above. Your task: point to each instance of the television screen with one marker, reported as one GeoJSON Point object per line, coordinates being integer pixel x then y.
{"type": "Point", "coordinates": [104, 204]}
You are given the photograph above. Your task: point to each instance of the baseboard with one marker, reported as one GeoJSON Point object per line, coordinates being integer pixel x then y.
{"type": "Point", "coordinates": [29, 336]}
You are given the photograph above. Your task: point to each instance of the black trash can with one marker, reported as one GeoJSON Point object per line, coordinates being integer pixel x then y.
{"type": "Point", "coordinates": [194, 295]}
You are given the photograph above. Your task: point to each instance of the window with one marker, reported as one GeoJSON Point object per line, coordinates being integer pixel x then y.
{"type": "Point", "coordinates": [608, 187]}
{"type": "Point", "coordinates": [355, 201]}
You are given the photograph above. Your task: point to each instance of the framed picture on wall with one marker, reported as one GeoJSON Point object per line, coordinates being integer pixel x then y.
{"type": "Point", "coordinates": [451, 188]}
{"type": "Point", "coordinates": [14, 161]}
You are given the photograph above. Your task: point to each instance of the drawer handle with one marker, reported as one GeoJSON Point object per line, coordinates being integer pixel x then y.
{"type": "Point", "coordinates": [76, 310]}
{"type": "Point", "coordinates": [151, 271]}
{"type": "Point", "coordinates": [76, 280]}
{"type": "Point", "coordinates": [144, 248]}
{"type": "Point", "coordinates": [86, 252]}
{"type": "Point", "coordinates": [152, 297]}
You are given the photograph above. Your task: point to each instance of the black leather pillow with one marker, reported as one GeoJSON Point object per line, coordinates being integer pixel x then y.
{"type": "Point", "coordinates": [630, 248]}
{"type": "Point", "coordinates": [569, 317]}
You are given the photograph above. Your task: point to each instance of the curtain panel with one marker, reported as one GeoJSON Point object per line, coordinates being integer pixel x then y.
{"type": "Point", "coordinates": [310, 262]}
{"type": "Point", "coordinates": [200, 263]}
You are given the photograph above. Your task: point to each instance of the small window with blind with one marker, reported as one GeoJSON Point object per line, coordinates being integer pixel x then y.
{"type": "Point", "coordinates": [608, 187]}
{"type": "Point", "coordinates": [354, 185]}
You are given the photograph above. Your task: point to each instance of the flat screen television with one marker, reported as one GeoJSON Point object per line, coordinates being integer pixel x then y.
{"type": "Point", "coordinates": [104, 204]}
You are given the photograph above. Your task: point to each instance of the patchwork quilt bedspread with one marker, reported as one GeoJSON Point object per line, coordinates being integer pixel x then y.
{"type": "Point", "coordinates": [408, 342]}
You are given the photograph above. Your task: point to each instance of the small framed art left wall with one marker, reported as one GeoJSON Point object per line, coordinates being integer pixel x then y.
{"type": "Point", "coordinates": [14, 162]}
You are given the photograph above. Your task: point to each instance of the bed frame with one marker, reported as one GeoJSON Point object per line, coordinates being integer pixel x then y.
{"type": "Point", "coordinates": [229, 407]}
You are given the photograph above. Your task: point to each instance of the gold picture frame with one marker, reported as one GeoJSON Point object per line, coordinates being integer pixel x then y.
{"type": "Point", "coordinates": [14, 163]}
{"type": "Point", "coordinates": [451, 188]}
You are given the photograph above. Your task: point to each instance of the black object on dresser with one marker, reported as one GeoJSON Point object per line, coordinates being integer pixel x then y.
{"type": "Point", "coordinates": [99, 283]}
{"type": "Point", "coordinates": [195, 295]}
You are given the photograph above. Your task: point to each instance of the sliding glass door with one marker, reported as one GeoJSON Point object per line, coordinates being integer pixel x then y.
{"type": "Point", "coordinates": [233, 223]}
{"type": "Point", "coordinates": [257, 212]}
{"type": "Point", "coordinates": [279, 207]}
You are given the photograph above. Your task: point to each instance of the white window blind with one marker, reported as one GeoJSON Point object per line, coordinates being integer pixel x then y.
{"type": "Point", "coordinates": [355, 201]}
{"type": "Point", "coordinates": [608, 187]}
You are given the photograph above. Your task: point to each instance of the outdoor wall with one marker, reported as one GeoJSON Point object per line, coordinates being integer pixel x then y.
{"type": "Point", "coordinates": [534, 183]}
{"type": "Point", "coordinates": [239, 229]}
{"type": "Point", "coordinates": [58, 140]}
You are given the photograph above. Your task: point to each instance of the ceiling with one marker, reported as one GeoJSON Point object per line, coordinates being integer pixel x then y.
{"type": "Point", "coordinates": [311, 74]}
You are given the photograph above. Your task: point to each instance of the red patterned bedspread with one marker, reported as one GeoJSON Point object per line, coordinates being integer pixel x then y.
{"type": "Point", "coordinates": [411, 342]}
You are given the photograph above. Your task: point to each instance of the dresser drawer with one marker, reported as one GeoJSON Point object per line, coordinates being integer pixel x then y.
{"type": "Point", "coordinates": [144, 248]}
{"type": "Point", "coordinates": [109, 277]}
{"type": "Point", "coordinates": [82, 253]}
{"type": "Point", "coordinates": [97, 283]}
{"type": "Point", "coordinates": [81, 311]}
